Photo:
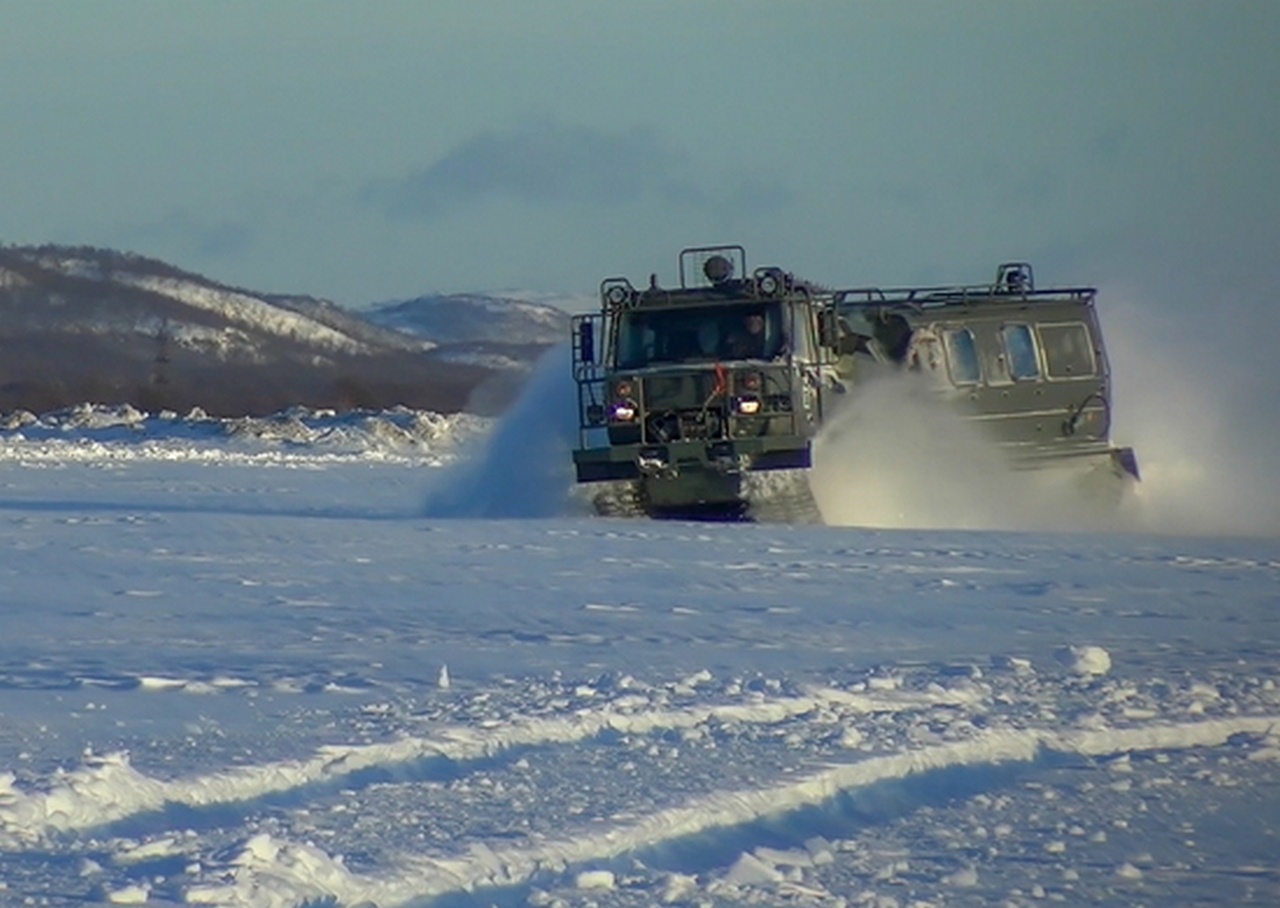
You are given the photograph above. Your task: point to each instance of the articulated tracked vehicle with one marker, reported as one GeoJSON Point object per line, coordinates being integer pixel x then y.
{"type": "Point", "coordinates": [683, 392]}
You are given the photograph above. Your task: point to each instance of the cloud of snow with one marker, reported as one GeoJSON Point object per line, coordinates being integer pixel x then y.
{"type": "Point", "coordinates": [525, 468]}
{"type": "Point", "coordinates": [894, 455]}
{"type": "Point", "coordinates": [1192, 398]}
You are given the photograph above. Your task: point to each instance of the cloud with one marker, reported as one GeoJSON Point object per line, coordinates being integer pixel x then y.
{"type": "Point", "coordinates": [210, 239]}
{"type": "Point", "coordinates": [545, 161]}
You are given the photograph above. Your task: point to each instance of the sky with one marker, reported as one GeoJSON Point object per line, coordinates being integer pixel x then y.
{"type": "Point", "coordinates": [364, 152]}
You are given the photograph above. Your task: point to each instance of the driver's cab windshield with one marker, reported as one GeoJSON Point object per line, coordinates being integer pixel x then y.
{"type": "Point", "coordinates": [699, 334]}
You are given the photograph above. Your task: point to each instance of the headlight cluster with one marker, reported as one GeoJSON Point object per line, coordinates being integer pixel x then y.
{"type": "Point", "coordinates": [741, 391]}
{"type": "Point", "coordinates": [624, 411]}
{"type": "Point", "coordinates": [623, 407]}
{"type": "Point", "coordinates": [747, 385]}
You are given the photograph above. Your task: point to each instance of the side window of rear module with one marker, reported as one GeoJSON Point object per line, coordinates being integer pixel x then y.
{"type": "Point", "coordinates": [1020, 352]}
{"type": "Point", "coordinates": [962, 356]}
{"type": "Point", "coordinates": [1068, 350]}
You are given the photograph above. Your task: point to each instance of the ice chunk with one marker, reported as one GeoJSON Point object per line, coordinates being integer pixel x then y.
{"type": "Point", "coordinates": [678, 888]}
{"type": "Point", "coordinates": [1086, 661]}
{"type": "Point", "coordinates": [749, 870]}
{"type": "Point", "coordinates": [595, 879]}
{"type": "Point", "coordinates": [129, 895]}
{"type": "Point", "coordinates": [966, 878]}
{"type": "Point", "coordinates": [1127, 871]}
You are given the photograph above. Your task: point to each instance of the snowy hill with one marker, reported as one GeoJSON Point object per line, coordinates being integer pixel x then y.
{"type": "Point", "coordinates": [503, 332]}
{"type": "Point", "coordinates": [469, 317]}
{"type": "Point", "coordinates": [107, 292]}
{"type": "Point", "coordinates": [79, 323]}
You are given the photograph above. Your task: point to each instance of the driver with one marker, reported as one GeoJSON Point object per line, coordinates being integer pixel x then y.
{"type": "Point", "coordinates": [747, 342]}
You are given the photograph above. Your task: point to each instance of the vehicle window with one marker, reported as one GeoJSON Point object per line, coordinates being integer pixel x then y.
{"type": "Point", "coordinates": [799, 332]}
{"type": "Point", "coordinates": [636, 341]}
{"type": "Point", "coordinates": [925, 353]}
{"type": "Point", "coordinates": [1068, 350]}
{"type": "Point", "coordinates": [1020, 348]}
{"type": "Point", "coordinates": [750, 332]}
{"type": "Point", "coordinates": [699, 334]}
{"type": "Point", "coordinates": [962, 356]}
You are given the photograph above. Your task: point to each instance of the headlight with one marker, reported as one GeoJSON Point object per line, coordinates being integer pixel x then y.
{"type": "Point", "coordinates": [748, 406]}
{"type": "Point", "coordinates": [623, 411]}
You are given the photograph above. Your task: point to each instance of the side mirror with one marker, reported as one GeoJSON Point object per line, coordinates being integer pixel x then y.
{"type": "Point", "coordinates": [586, 342]}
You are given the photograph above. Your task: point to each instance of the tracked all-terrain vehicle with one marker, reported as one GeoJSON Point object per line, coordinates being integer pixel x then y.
{"type": "Point", "coordinates": [683, 392]}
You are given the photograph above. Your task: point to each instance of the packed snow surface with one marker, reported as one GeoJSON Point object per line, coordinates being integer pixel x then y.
{"type": "Point", "coordinates": [314, 659]}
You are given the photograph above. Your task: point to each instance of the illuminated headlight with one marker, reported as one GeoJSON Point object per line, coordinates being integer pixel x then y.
{"type": "Point", "coordinates": [748, 406]}
{"type": "Point", "coordinates": [623, 411]}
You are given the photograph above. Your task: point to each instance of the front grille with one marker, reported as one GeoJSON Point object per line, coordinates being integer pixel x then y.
{"type": "Point", "coordinates": [670, 391]}
{"type": "Point", "coordinates": [685, 425]}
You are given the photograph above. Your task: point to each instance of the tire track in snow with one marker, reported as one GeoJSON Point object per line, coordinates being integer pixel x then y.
{"type": "Point", "coordinates": [482, 867]}
{"type": "Point", "coordinates": [108, 788]}
{"type": "Point", "coordinates": [268, 872]}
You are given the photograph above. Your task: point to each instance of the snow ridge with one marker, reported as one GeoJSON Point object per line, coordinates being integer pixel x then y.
{"type": "Point", "coordinates": [107, 788]}
{"type": "Point", "coordinates": [94, 433]}
{"type": "Point", "coordinates": [268, 872]}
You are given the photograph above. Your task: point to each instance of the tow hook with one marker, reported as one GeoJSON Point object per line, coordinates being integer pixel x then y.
{"type": "Point", "coordinates": [653, 463]}
{"type": "Point", "coordinates": [722, 459]}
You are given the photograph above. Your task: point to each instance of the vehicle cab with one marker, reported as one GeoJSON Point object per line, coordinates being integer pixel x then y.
{"type": "Point", "coordinates": [687, 387]}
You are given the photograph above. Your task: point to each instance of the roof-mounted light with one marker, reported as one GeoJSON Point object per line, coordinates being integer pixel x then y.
{"type": "Point", "coordinates": [769, 281]}
{"type": "Point", "coordinates": [718, 269]}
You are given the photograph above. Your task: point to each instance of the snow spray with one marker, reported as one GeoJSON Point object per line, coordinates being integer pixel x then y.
{"type": "Point", "coordinates": [525, 467]}
{"type": "Point", "coordinates": [1198, 412]}
{"type": "Point", "coordinates": [1204, 423]}
{"type": "Point", "coordinates": [896, 456]}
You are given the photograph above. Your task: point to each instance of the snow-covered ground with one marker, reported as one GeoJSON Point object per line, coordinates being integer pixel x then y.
{"type": "Point", "coordinates": [266, 663]}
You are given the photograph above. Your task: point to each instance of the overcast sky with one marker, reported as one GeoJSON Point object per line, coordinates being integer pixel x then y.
{"type": "Point", "coordinates": [370, 150]}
